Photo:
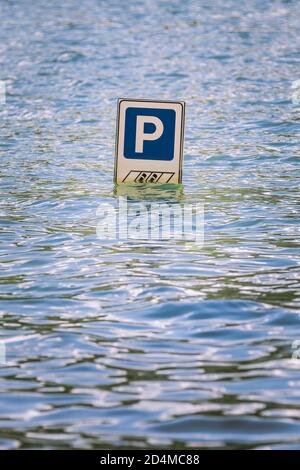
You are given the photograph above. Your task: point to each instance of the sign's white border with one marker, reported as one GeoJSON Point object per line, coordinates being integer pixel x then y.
{"type": "Point", "coordinates": [123, 165]}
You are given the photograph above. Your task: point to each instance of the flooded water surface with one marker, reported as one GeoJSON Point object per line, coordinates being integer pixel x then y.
{"type": "Point", "coordinates": [132, 343]}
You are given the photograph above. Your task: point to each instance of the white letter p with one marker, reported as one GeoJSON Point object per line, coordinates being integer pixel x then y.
{"type": "Point", "coordinates": [140, 131]}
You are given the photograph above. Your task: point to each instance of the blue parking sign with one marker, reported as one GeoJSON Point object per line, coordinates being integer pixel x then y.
{"type": "Point", "coordinates": [149, 133]}
{"type": "Point", "coordinates": [149, 143]}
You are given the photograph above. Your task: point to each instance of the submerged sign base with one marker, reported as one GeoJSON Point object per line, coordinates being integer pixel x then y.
{"type": "Point", "coordinates": [149, 143]}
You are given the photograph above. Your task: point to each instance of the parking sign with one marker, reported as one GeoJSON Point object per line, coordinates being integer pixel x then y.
{"type": "Point", "coordinates": [149, 143]}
